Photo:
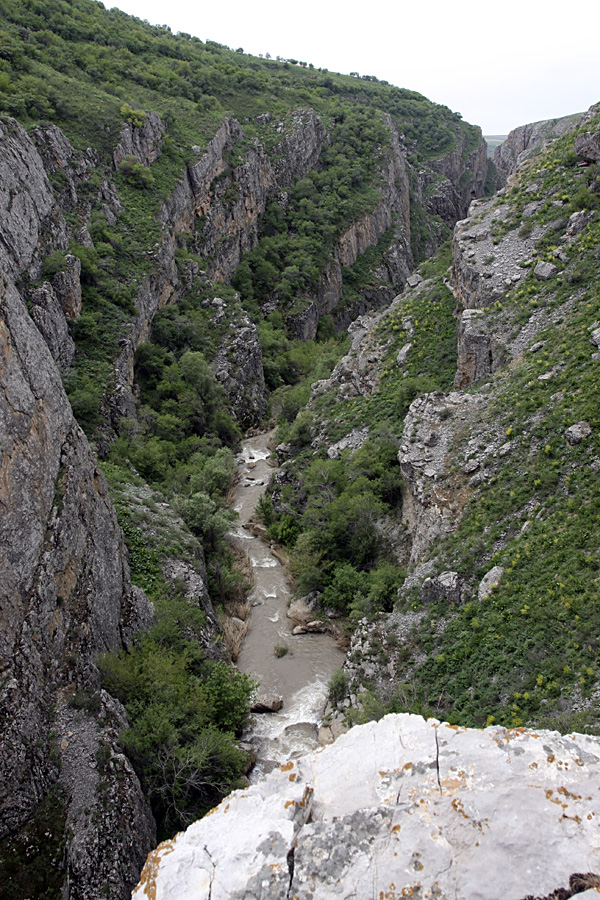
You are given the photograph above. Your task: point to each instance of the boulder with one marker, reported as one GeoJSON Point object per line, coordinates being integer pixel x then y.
{"type": "Point", "coordinates": [314, 627]}
{"type": "Point", "coordinates": [587, 147]}
{"type": "Point", "coordinates": [448, 587]}
{"type": "Point", "coordinates": [267, 702]}
{"type": "Point", "coordinates": [403, 354]}
{"type": "Point", "coordinates": [575, 434]}
{"type": "Point", "coordinates": [489, 582]}
{"type": "Point", "coordinates": [402, 807]}
{"type": "Point", "coordinates": [544, 271]}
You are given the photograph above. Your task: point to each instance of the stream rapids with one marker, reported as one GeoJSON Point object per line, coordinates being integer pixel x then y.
{"type": "Point", "coordinates": [302, 675]}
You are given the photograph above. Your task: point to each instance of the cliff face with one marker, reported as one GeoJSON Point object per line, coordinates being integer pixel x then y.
{"type": "Point", "coordinates": [526, 140]}
{"type": "Point", "coordinates": [464, 172]}
{"type": "Point", "coordinates": [225, 193]}
{"type": "Point", "coordinates": [219, 205]}
{"type": "Point", "coordinates": [444, 187]}
{"type": "Point", "coordinates": [393, 208]}
{"type": "Point", "coordinates": [66, 596]}
{"type": "Point", "coordinates": [66, 593]}
{"type": "Point", "coordinates": [26, 200]}
{"type": "Point", "coordinates": [436, 811]}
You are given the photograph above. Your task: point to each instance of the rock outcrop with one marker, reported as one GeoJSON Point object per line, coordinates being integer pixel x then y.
{"type": "Point", "coordinates": [430, 507]}
{"type": "Point", "coordinates": [26, 200]}
{"type": "Point", "coordinates": [66, 596]}
{"type": "Point", "coordinates": [527, 140]}
{"type": "Point", "coordinates": [238, 367]}
{"type": "Point", "coordinates": [483, 266]}
{"type": "Point", "coordinates": [225, 193]}
{"type": "Point", "coordinates": [393, 208]}
{"type": "Point", "coordinates": [143, 142]}
{"type": "Point", "coordinates": [434, 811]}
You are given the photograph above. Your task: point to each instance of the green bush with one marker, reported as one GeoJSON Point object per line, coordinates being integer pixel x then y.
{"type": "Point", "coordinates": [338, 686]}
{"type": "Point", "coordinates": [136, 172]}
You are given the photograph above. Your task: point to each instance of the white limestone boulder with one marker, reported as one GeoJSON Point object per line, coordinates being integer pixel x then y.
{"type": "Point", "coordinates": [399, 808]}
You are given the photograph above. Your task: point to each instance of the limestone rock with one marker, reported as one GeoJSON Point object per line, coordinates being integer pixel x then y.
{"type": "Point", "coordinates": [474, 350]}
{"type": "Point", "coordinates": [68, 287]}
{"type": "Point", "coordinates": [403, 354]}
{"type": "Point", "coordinates": [301, 609]}
{"type": "Point", "coordinates": [577, 222]}
{"type": "Point", "coordinates": [526, 140]}
{"type": "Point", "coordinates": [575, 434]}
{"type": "Point", "coordinates": [447, 586]}
{"type": "Point", "coordinates": [238, 367]}
{"type": "Point", "coordinates": [59, 156]}
{"type": "Point", "coordinates": [399, 807]}
{"type": "Point", "coordinates": [352, 441]}
{"type": "Point", "coordinates": [428, 509]}
{"type": "Point", "coordinates": [26, 198]}
{"type": "Point", "coordinates": [544, 271]}
{"type": "Point", "coordinates": [587, 147]}
{"type": "Point", "coordinates": [481, 269]}
{"type": "Point", "coordinates": [65, 597]}
{"type": "Point", "coordinates": [315, 626]}
{"type": "Point", "coordinates": [489, 581]}
{"type": "Point", "coordinates": [142, 142]}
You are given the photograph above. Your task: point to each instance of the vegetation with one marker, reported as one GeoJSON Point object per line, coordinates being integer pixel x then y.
{"type": "Point", "coordinates": [185, 713]}
{"type": "Point", "coordinates": [31, 860]}
{"type": "Point", "coordinates": [528, 653]}
{"type": "Point", "coordinates": [89, 70]}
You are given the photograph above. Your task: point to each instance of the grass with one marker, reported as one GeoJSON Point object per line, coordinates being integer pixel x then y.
{"type": "Point", "coordinates": [529, 653]}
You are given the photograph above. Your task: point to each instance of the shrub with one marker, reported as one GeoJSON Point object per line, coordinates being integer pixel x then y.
{"type": "Point", "coordinates": [136, 173]}
{"type": "Point", "coordinates": [338, 686]}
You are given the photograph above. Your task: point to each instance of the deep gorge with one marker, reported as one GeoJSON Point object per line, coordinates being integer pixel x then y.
{"type": "Point", "coordinates": [250, 244]}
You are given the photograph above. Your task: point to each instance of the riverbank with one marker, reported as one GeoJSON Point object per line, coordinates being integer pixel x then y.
{"type": "Point", "coordinates": [296, 667]}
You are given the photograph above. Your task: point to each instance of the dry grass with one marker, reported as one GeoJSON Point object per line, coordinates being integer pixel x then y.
{"type": "Point", "coordinates": [340, 635]}
{"type": "Point", "coordinates": [234, 631]}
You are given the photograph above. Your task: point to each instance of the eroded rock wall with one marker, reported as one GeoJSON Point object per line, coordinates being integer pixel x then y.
{"type": "Point", "coordinates": [527, 140]}
{"type": "Point", "coordinates": [393, 209]}
{"type": "Point", "coordinates": [66, 596]}
{"type": "Point", "coordinates": [65, 591]}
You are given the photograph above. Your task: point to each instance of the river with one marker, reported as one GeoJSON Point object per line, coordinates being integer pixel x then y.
{"type": "Point", "coordinates": [301, 676]}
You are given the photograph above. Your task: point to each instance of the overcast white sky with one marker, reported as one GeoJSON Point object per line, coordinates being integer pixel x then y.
{"type": "Point", "coordinates": [500, 64]}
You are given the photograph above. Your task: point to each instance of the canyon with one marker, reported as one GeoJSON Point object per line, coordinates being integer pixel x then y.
{"type": "Point", "coordinates": [123, 231]}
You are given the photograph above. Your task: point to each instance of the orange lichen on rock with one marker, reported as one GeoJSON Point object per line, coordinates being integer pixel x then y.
{"type": "Point", "coordinates": [147, 883]}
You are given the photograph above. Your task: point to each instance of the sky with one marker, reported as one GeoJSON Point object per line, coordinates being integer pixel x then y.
{"type": "Point", "coordinates": [499, 65]}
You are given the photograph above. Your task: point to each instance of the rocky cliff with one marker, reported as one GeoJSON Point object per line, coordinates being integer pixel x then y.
{"type": "Point", "coordinates": [489, 460]}
{"type": "Point", "coordinates": [224, 194]}
{"type": "Point", "coordinates": [444, 187]}
{"type": "Point", "coordinates": [66, 596]}
{"type": "Point", "coordinates": [436, 811]}
{"type": "Point", "coordinates": [528, 140]}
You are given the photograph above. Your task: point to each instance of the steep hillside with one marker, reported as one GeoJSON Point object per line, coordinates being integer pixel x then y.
{"type": "Point", "coordinates": [497, 457]}
{"type": "Point", "coordinates": [183, 230]}
{"type": "Point", "coordinates": [528, 140]}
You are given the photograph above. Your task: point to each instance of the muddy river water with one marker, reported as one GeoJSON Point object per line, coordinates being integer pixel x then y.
{"type": "Point", "coordinates": [302, 675]}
